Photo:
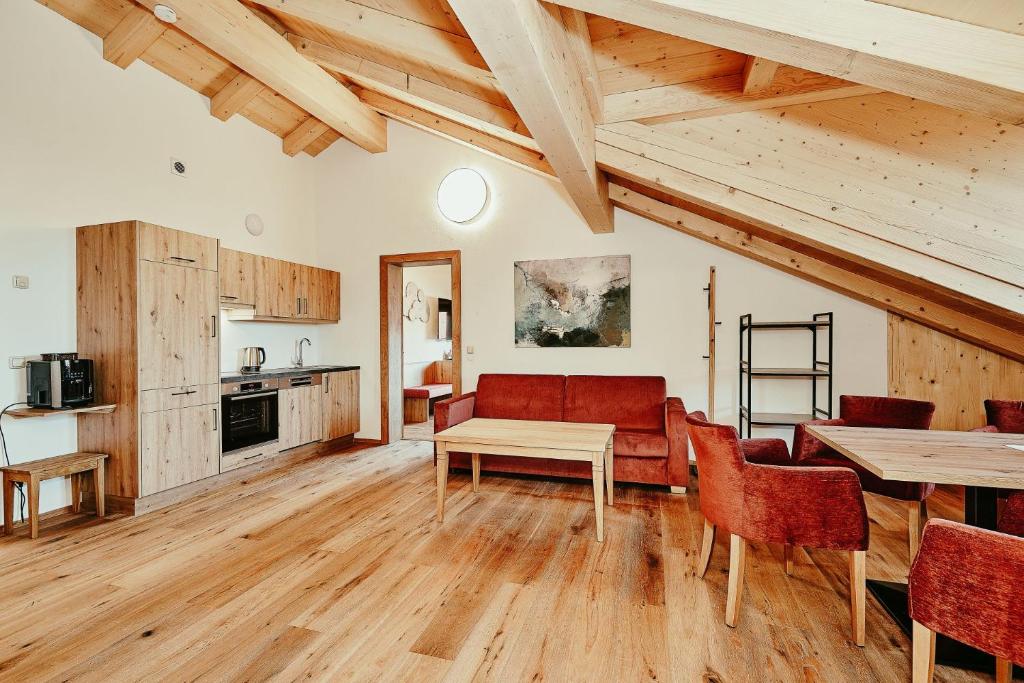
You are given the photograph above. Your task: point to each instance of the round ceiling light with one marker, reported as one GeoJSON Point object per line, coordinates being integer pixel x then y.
{"type": "Point", "coordinates": [462, 195]}
{"type": "Point", "coordinates": [165, 13]}
{"type": "Point", "coordinates": [254, 224]}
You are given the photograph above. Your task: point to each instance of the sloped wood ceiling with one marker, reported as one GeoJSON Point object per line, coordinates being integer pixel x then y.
{"type": "Point", "coordinates": [913, 206]}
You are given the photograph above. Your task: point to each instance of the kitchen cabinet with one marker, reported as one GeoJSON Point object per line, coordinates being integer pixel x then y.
{"type": "Point", "coordinates": [340, 404]}
{"type": "Point", "coordinates": [300, 417]}
{"type": "Point", "coordinates": [178, 343]}
{"type": "Point", "coordinates": [276, 288]}
{"type": "Point", "coordinates": [165, 245]}
{"type": "Point", "coordinates": [284, 291]}
{"type": "Point", "coordinates": [178, 446]}
{"type": "Point", "coordinates": [320, 292]}
{"type": "Point", "coordinates": [237, 271]}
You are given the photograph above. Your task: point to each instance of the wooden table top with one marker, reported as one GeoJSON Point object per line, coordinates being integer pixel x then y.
{"type": "Point", "coordinates": [966, 458]}
{"type": "Point", "coordinates": [570, 436]}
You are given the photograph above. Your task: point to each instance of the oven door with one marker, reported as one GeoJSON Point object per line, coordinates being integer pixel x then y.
{"type": "Point", "coordinates": [248, 420]}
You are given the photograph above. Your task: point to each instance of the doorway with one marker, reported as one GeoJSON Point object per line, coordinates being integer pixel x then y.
{"type": "Point", "coordinates": [411, 385]}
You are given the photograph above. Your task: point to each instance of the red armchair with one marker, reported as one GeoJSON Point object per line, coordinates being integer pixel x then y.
{"type": "Point", "coordinates": [1007, 416]}
{"type": "Point", "coordinates": [873, 411]}
{"type": "Point", "coordinates": [816, 507]}
{"type": "Point", "coordinates": [964, 583]}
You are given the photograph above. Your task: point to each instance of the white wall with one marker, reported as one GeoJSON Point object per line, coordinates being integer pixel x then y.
{"type": "Point", "coordinates": [420, 344]}
{"type": "Point", "coordinates": [368, 205]}
{"type": "Point", "coordinates": [86, 142]}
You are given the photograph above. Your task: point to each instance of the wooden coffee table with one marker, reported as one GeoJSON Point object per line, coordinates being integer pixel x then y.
{"type": "Point", "coordinates": [530, 439]}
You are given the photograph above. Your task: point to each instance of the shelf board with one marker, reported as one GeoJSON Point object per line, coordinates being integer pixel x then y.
{"type": "Point", "coordinates": [788, 325]}
{"type": "Point", "coordinates": [21, 413]}
{"type": "Point", "coordinates": [780, 419]}
{"type": "Point", "coordinates": [784, 372]}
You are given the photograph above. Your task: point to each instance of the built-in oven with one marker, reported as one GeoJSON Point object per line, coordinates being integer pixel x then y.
{"type": "Point", "coordinates": [248, 413]}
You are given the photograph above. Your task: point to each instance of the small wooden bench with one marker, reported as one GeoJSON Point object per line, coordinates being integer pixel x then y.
{"type": "Point", "coordinates": [72, 465]}
{"type": "Point", "coordinates": [418, 400]}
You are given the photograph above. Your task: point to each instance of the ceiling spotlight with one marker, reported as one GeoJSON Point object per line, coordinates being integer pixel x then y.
{"type": "Point", "coordinates": [165, 13]}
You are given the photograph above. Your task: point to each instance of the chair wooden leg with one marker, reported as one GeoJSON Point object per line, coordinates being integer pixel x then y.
{"type": "Point", "coordinates": [1004, 670]}
{"type": "Point", "coordinates": [706, 548]}
{"type": "Point", "coordinates": [858, 584]}
{"type": "Point", "coordinates": [924, 654]}
{"type": "Point", "coordinates": [737, 563]}
{"type": "Point", "coordinates": [787, 554]}
{"type": "Point", "coordinates": [917, 515]}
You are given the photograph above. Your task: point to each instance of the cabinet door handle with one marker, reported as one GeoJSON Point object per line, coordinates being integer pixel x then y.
{"type": "Point", "coordinates": [182, 259]}
{"type": "Point", "coordinates": [226, 296]}
{"type": "Point", "coordinates": [327, 383]}
{"type": "Point", "coordinates": [215, 420]}
{"type": "Point", "coordinates": [183, 393]}
{"type": "Point", "coordinates": [250, 457]}
{"type": "Point", "coordinates": [214, 326]}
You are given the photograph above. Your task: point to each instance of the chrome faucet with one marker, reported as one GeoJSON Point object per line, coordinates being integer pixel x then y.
{"type": "Point", "coordinates": [298, 350]}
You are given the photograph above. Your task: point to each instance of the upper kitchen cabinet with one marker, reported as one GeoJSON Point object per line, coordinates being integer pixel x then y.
{"type": "Point", "coordinates": [284, 291]}
{"type": "Point", "coordinates": [237, 278]}
{"type": "Point", "coordinates": [164, 245]}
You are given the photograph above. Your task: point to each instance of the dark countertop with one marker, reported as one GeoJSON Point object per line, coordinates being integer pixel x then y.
{"type": "Point", "coordinates": [284, 372]}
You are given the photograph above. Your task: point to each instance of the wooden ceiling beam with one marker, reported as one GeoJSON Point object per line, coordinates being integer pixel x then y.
{"type": "Point", "coordinates": [876, 45]}
{"type": "Point", "coordinates": [131, 37]}
{"type": "Point", "coordinates": [851, 283]}
{"type": "Point", "coordinates": [233, 97]}
{"type": "Point", "coordinates": [578, 34]}
{"type": "Point", "coordinates": [758, 74]}
{"type": "Point", "coordinates": [303, 136]}
{"type": "Point", "coordinates": [525, 44]}
{"type": "Point", "coordinates": [725, 95]}
{"type": "Point", "coordinates": [231, 30]}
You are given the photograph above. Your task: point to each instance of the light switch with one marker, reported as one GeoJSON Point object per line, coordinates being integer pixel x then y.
{"type": "Point", "coordinates": [20, 281]}
{"type": "Point", "coordinates": [469, 350]}
{"type": "Point", "coordinates": [15, 362]}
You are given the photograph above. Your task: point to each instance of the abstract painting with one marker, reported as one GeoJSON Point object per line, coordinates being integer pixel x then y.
{"type": "Point", "coordinates": [573, 302]}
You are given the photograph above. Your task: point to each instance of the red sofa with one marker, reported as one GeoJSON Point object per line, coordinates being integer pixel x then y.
{"type": "Point", "coordinates": [650, 428]}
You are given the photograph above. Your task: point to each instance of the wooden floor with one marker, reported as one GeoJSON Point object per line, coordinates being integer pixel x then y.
{"type": "Point", "coordinates": [335, 569]}
{"type": "Point", "coordinates": [419, 431]}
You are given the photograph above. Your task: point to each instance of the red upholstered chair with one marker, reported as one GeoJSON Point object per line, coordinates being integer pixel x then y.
{"type": "Point", "coordinates": [760, 451]}
{"type": "Point", "coordinates": [815, 507]}
{"type": "Point", "coordinates": [873, 411]}
{"type": "Point", "coordinates": [1007, 416]}
{"type": "Point", "coordinates": [965, 584]}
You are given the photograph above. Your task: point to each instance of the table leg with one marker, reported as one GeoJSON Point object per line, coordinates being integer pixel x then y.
{"type": "Point", "coordinates": [609, 473]}
{"type": "Point", "coordinates": [599, 494]}
{"type": "Point", "coordinates": [980, 507]}
{"type": "Point", "coordinates": [76, 492]}
{"type": "Point", "coordinates": [442, 477]}
{"type": "Point", "coordinates": [476, 472]}
{"type": "Point", "coordinates": [33, 507]}
{"type": "Point", "coordinates": [99, 480]}
{"type": "Point", "coordinates": [8, 493]}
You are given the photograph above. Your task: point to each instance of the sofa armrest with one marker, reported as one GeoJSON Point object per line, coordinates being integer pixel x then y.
{"type": "Point", "coordinates": [807, 446]}
{"type": "Point", "coordinates": [452, 411]}
{"type": "Point", "coordinates": [678, 446]}
{"type": "Point", "coordinates": [765, 451]}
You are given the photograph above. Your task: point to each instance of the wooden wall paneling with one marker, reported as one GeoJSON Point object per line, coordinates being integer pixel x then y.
{"type": "Point", "coordinates": [238, 93]}
{"type": "Point", "coordinates": [958, 376]}
{"type": "Point", "coordinates": [237, 275]}
{"type": "Point", "coordinates": [178, 342]}
{"type": "Point", "coordinates": [526, 46]}
{"type": "Point", "coordinates": [231, 30]}
{"type": "Point", "coordinates": [883, 47]}
{"type": "Point", "coordinates": [131, 37]}
{"type": "Point", "coordinates": [179, 447]}
{"type": "Point", "coordinates": [106, 272]}
{"type": "Point", "coordinates": [843, 279]}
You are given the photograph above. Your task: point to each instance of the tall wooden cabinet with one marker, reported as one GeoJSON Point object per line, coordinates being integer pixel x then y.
{"type": "Point", "coordinates": [148, 317]}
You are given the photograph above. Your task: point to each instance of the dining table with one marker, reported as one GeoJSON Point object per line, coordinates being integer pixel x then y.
{"type": "Point", "coordinates": [981, 462]}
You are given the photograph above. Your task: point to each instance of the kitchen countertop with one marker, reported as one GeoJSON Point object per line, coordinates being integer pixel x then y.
{"type": "Point", "coordinates": [226, 377]}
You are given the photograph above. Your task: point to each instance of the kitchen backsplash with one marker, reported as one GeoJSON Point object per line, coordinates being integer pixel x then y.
{"type": "Point", "coordinates": [277, 338]}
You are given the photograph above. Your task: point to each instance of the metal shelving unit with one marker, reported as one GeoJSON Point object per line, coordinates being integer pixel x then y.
{"type": "Point", "coordinates": [817, 370]}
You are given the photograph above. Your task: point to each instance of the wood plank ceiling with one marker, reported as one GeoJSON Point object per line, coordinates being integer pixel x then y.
{"type": "Point", "coordinates": [800, 156]}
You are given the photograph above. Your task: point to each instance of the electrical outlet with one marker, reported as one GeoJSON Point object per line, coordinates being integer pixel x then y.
{"type": "Point", "coordinates": [19, 281]}
{"type": "Point", "coordinates": [15, 362]}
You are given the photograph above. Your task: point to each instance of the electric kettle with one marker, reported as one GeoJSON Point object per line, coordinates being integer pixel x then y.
{"type": "Point", "coordinates": [252, 358]}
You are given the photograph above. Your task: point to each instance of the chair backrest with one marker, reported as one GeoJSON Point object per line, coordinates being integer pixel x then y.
{"type": "Point", "coordinates": [886, 412]}
{"type": "Point", "coordinates": [965, 583]}
{"type": "Point", "coordinates": [720, 464]}
{"type": "Point", "coordinates": [1006, 416]}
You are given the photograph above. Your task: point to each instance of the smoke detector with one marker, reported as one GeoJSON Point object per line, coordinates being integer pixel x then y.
{"type": "Point", "coordinates": [165, 13]}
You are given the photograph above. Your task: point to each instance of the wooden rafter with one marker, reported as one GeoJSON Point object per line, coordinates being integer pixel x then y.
{"type": "Point", "coordinates": [303, 136]}
{"type": "Point", "coordinates": [877, 45]}
{"type": "Point", "coordinates": [230, 99]}
{"type": "Point", "coordinates": [525, 44]}
{"type": "Point", "coordinates": [231, 30]}
{"type": "Point", "coordinates": [131, 37]}
{"type": "Point", "coordinates": [578, 34]}
{"type": "Point", "coordinates": [725, 95]}
{"type": "Point", "coordinates": [758, 74]}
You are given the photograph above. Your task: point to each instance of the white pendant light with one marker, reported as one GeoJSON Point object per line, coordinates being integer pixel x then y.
{"type": "Point", "coordinates": [462, 195]}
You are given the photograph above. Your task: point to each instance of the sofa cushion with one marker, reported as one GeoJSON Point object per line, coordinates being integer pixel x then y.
{"type": "Point", "coordinates": [520, 397]}
{"type": "Point", "coordinates": [628, 402]}
{"type": "Point", "coordinates": [640, 443]}
{"type": "Point", "coordinates": [428, 391]}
